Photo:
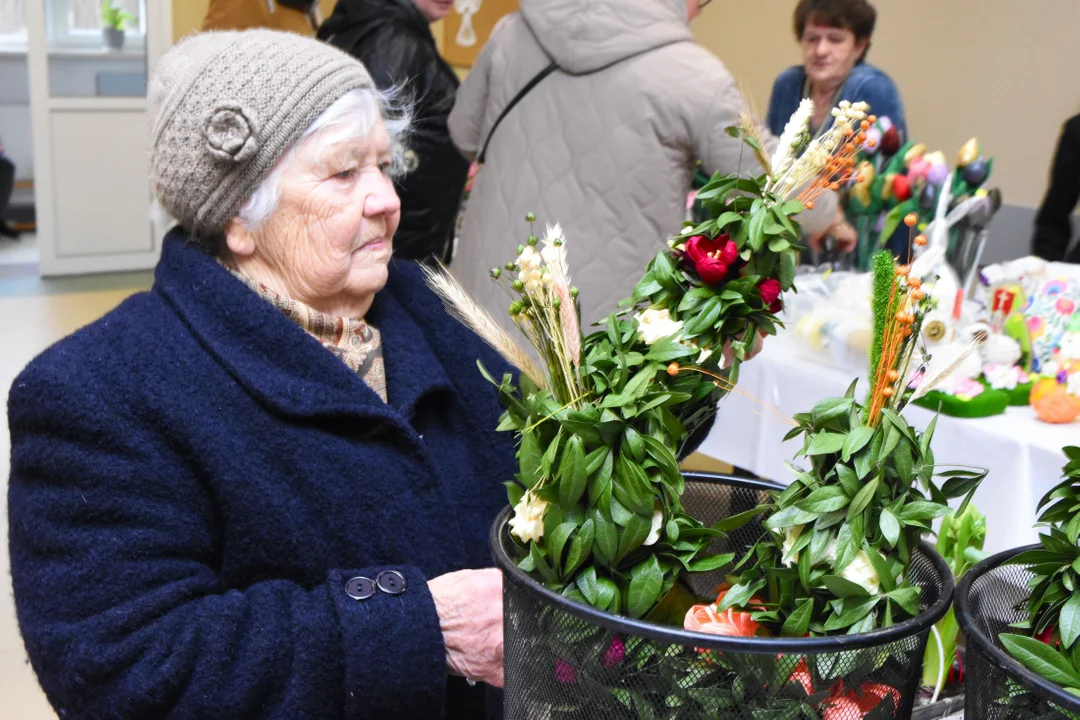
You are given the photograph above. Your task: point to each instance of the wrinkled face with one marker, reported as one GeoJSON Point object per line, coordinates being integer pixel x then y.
{"type": "Point", "coordinates": [829, 53]}
{"type": "Point", "coordinates": [329, 242]}
{"type": "Point", "coordinates": [434, 9]}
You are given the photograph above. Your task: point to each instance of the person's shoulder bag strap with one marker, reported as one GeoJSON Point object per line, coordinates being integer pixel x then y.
{"type": "Point", "coordinates": [510, 106]}
{"type": "Point", "coordinates": [451, 246]}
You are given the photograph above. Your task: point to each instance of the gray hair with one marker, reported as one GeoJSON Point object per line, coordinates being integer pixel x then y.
{"type": "Point", "coordinates": [353, 115]}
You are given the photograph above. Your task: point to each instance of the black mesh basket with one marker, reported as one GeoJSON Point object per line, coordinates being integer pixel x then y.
{"type": "Point", "coordinates": [568, 660]}
{"type": "Point", "coordinates": [990, 597]}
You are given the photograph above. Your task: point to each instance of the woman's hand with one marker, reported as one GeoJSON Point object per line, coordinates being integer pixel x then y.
{"type": "Point", "coordinates": [729, 354]}
{"type": "Point", "coordinates": [470, 608]}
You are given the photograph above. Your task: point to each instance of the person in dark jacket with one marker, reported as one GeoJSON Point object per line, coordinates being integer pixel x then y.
{"type": "Point", "coordinates": [394, 41]}
{"type": "Point", "coordinates": [1053, 224]}
{"type": "Point", "coordinates": [263, 488]}
{"type": "Point", "coordinates": [7, 186]}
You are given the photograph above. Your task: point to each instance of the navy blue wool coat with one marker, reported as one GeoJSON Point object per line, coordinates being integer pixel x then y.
{"type": "Point", "coordinates": [195, 480]}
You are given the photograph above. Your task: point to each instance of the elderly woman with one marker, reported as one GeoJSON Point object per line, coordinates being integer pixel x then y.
{"type": "Point", "coordinates": [263, 488]}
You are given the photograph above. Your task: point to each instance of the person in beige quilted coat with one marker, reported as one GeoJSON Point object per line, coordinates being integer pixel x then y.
{"type": "Point", "coordinates": [606, 145]}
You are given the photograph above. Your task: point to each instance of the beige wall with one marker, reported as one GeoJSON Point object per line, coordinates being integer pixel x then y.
{"type": "Point", "coordinates": [188, 14]}
{"type": "Point", "coordinates": [1003, 70]}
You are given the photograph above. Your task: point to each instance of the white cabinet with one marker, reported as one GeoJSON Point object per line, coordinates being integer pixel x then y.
{"type": "Point", "coordinates": [88, 109]}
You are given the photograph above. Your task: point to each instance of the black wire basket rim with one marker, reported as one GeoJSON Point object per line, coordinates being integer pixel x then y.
{"type": "Point", "coordinates": [975, 635]}
{"type": "Point", "coordinates": [753, 645]}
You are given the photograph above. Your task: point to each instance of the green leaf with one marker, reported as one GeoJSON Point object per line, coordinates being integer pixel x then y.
{"type": "Point", "coordinates": [633, 535]}
{"type": "Point", "coordinates": [843, 588]}
{"type": "Point", "coordinates": [867, 458]}
{"type": "Point", "coordinates": [881, 568]}
{"type": "Point", "coordinates": [600, 480]}
{"type": "Point", "coordinates": [1041, 659]}
{"type": "Point", "coordinates": [572, 470]}
{"type": "Point", "coordinates": [862, 499]}
{"type": "Point", "coordinates": [1069, 620]}
{"type": "Point", "coordinates": [580, 548]}
{"type": "Point", "coordinates": [645, 581]}
{"type": "Point", "coordinates": [848, 479]}
{"type": "Point", "coordinates": [708, 564]}
{"type": "Point", "coordinates": [829, 409]}
{"type": "Point", "coordinates": [919, 510]}
{"type": "Point", "coordinates": [890, 527]}
{"type": "Point", "coordinates": [824, 499]}
{"type": "Point", "coordinates": [514, 492]}
{"type": "Point", "coordinates": [789, 516]}
{"type": "Point", "coordinates": [798, 622]}
{"type": "Point", "coordinates": [634, 443]}
{"type": "Point", "coordinates": [787, 270]}
{"type": "Point", "coordinates": [666, 349]}
{"type": "Point", "coordinates": [586, 583]}
{"type": "Point", "coordinates": [825, 442]}
{"type": "Point", "coordinates": [607, 537]}
{"type": "Point", "coordinates": [856, 440]}
{"type": "Point", "coordinates": [848, 542]}
{"type": "Point", "coordinates": [556, 542]}
{"type": "Point", "coordinates": [739, 595]}
{"type": "Point", "coordinates": [529, 458]}
{"type": "Point", "coordinates": [855, 609]}
{"type": "Point", "coordinates": [734, 522]}
{"type": "Point", "coordinates": [907, 598]}
{"type": "Point", "coordinates": [541, 565]}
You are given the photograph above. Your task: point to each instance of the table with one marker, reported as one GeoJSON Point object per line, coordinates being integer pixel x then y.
{"type": "Point", "coordinates": [1023, 454]}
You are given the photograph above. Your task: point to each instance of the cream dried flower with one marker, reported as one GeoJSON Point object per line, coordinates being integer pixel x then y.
{"type": "Point", "coordinates": [656, 324]}
{"type": "Point", "coordinates": [528, 520]}
{"type": "Point", "coordinates": [657, 523]}
{"type": "Point", "coordinates": [797, 125]}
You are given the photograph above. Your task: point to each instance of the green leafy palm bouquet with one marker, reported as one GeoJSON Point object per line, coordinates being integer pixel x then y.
{"type": "Point", "coordinates": [601, 418]}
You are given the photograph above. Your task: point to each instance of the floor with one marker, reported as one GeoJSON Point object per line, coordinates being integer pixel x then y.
{"type": "Point", "coordinates": [34, 313]}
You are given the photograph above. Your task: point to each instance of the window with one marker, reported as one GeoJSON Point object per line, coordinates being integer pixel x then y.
{"type": "Point", "coordinates": [77, 23]}
{"type": "Point", "coordinates": [13, 22]}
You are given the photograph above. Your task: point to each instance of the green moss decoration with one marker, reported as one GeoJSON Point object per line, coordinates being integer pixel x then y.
{"type": "Point", "coordinates": [884, 270]}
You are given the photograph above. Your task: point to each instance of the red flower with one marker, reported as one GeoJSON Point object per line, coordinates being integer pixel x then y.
{"type": "Point", "coordinates": [712, 259]}
{"type": "Point", "coordinates": [614, 654]}
{"type": "Point", "coordinates": [731, 622]}
{"type": "Point", "coordinates": [770, 293]}
{"type": "Point", "coordinates": [856, 703]}
{"type": "Point", "coordinates": [565, 673]}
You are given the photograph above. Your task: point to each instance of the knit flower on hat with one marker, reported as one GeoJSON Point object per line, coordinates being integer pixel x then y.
{"type": "Point", "coordinates": [231, 135]}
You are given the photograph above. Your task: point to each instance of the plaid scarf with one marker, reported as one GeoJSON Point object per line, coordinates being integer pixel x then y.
{"type": "Point", "coordinates": [355, 342]}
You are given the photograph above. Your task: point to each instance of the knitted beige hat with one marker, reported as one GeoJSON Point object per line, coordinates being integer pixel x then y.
{"type": "Point", "coordinates": [224, 106]}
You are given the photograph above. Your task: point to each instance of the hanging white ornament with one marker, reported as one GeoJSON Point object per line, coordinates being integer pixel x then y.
{"type": "Point", "coordinates": [466, 35]}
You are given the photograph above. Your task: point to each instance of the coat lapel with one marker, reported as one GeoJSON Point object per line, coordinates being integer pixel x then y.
{"type": "Point", "coordinates": [282, 366]}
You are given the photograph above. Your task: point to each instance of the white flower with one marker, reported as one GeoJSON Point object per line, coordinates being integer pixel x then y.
{"type": "Point", "coordinates": [704, 355]}
{"type": "Point", "coordinates": [528, 520]}
{"type": "Point", "coordinates": [656, 324]}
{"type": "Point", "coordinates": [861, 572]}
{"type": "Point", "coordinates": [1001, 377]}
{"type": "Point", "coordinates": [790, 536]}
{"type": "Point", "coordinates": [529, 259]}
{"type": "Point", "coordinates": [657, 523]}
{"type": "Point", "coordinates": [1073, 387]}
{"type": "Point", "coordinates": [798, 124]}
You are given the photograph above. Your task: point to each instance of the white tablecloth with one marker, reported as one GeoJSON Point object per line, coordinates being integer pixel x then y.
{"type": "Point", "coordinates": [1023, 454]}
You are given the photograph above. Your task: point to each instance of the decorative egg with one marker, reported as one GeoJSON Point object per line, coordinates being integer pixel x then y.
{"type": "Point", "coordinates": [1057, 406]}
{"type": "Point", "coordinates": [969, 151]}
{"type": "Point", "coordinates": [976, 172]}
{"type": "Point", "coordinates": [901, 188]}
{"type": "Point", "coordinates": [915, 152]}
{"type": "Point", "coordinates": [928, 197]}
{"type": "Point", "coordinates": [918, 168]}
{"type": "Point", "coordinates": [861, 190]}
{"type": "Point", "coordinates": [884, 123]}
{"type": "Point", "coordinates": [890, 141]}
{"type": "Point", "coordinates": [873, 140]}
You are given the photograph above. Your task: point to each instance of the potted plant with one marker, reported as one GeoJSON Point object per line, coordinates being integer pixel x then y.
{"type": "Point", "coordinates": [1020, 612]}
{"type": "Point", "coordinates": [113, 21]}
{"type": "Point", "coordinates": [607, 545]}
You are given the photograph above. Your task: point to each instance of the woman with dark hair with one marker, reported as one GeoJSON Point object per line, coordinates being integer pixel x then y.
{"type": "Point", "coordinates": [835, 37]}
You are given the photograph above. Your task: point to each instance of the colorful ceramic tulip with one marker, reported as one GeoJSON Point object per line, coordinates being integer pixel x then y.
{"type": "Point", "coordinates": [969, 151]}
